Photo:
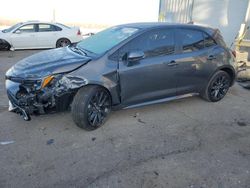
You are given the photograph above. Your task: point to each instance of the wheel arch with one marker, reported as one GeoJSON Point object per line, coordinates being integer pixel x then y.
{"type": "Point", "coordinates": [112, 91]}
{"type": "Point", "coordinates": [101, 86]}
{"type": "Point", "coordinates": [230, 71]}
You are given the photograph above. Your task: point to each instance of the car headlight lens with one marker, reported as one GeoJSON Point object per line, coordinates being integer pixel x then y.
{"type": "Point", "coordinates": [47, 80]}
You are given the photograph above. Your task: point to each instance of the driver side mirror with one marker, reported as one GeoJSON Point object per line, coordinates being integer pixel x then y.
{"type": "Point", "coordinates": [134, 57]}
{"type": "Point", "coordinates": [17, 32]}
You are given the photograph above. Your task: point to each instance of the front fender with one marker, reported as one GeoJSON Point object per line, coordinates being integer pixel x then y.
{"type": "Point", "coordinates": [72, 82]}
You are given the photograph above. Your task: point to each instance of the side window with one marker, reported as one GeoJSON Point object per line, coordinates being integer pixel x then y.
{"type": "Point", "coordinates": [46, 28]}
{"type": "Point", "coordinates": [191, 40]}
{"type": "Point", "coordinates": [208, 41]}
{"type": "Point", "coordinates": [153, 43]}
{"type": "Point", "coordinates": [57, 28]}
{"type": "Point", "coordinates": [160, 43]}
{"type": "Point", "coordinates": [27, 28]}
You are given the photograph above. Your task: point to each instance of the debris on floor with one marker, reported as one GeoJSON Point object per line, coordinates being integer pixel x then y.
{"type": "Point", "coordinates": [140, 121]}
{"type": "Point", "coordinates": [241, 123]}
{"type": "Point", "coordinates": [7, 142]}
{"type": "Point", "coordinates": [136, 115]}
{"type": "Point", "coordinates": [50, 141]}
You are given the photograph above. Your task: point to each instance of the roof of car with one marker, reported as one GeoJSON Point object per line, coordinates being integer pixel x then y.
{"type": "Point", "coordinates": [37, 22]}
{"type": "Point", "coordinates": [148, 25]}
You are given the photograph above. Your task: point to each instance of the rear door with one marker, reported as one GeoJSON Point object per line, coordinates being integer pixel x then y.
{"type": "Point", "coordinates": [25, 37]}
{"type": "Point", "coordinates": [152, 77]}
{"type": "Point", "coordinates": [193, 65]}
{"type": "Point", "coordinates": [47, 35]}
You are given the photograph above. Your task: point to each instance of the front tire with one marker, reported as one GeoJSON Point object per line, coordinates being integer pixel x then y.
{"type": "Point", "coordinates": [5, 46]}
{"type": "Point", "coordinates": [217, 87]}
{"type": "Point", "coordinates": [91, 107]}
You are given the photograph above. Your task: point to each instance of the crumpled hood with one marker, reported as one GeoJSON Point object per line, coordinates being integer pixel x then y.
{"type": "Point", "coordinates": [46, 63]}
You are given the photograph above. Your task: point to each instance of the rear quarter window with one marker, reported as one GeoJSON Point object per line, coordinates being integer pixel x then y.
{"type": "Point", "coordinates": [219, 38]}
{"type": "Point", "coordinates": [208, 41]}
{"type": "Point", "coordinates": [57, 28]}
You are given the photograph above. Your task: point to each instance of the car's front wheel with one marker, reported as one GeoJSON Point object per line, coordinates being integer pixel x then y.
{"type": "Point", "coordinates": [91, 107]}
{"type": "Point", "coordinates": [4, 46]}
{"type": "Point", "coordinates": [217, 87]}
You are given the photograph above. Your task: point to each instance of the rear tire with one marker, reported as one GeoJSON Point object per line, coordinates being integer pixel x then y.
{"type": "Point", "coordinates": [62, 42]}
{"type": "Point", "coordinates": [91, 107]}
{"type": "Point", "coordinates": [217, 87]}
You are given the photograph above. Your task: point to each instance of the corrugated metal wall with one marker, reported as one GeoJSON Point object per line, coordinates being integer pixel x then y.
{"type": "Point", "coordinates": [176, 11]}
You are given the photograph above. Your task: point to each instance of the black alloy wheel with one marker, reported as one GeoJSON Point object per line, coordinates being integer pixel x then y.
{"type": "Point", "coordinates": [91, 107]}
{"type": "Point", "coordinates": [98, 108]}
{"type": "Point", "coordinates": [217, 87]}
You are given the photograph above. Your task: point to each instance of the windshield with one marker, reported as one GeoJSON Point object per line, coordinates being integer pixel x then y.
{"type": "Point", "coordinates": [11, 28]}
{"type": "Point", "coordinates": [107, 39]}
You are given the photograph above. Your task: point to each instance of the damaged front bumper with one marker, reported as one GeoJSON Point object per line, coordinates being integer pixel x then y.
{"type": "Point", "coordinates": [27, 97]}
{"type": "Point", "coordinates": [15, 108]}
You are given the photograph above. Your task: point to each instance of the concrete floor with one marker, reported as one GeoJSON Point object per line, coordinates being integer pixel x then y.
{"type": "Point", "coordinates": [185, 143]}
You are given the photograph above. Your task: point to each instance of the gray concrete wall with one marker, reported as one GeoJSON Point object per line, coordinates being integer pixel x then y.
{"type": "Point", "coordinates": [226, 15]}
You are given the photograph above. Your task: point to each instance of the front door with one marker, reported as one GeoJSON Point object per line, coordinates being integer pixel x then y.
{"type": "Point", "coordinates": [152, 77]}
{"type": "Point", "coordinates": [25, 37]}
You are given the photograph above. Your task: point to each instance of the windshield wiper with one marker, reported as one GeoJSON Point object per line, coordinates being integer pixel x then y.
{"type": "Point", "coordinates": [78, 50]}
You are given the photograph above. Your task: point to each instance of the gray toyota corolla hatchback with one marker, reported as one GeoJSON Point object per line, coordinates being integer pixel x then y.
{"type": "Point", "coordinates": [122, 67]}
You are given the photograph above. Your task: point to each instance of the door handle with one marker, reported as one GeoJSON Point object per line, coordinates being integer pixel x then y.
{"type": "Point", "coordinates": [171, 63]}
{"type": "Point", "coordinates": [211, 57]}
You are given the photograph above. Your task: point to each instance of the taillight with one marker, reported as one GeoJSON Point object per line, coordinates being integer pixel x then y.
{"type": "Point", "coordinates": [78, 32]}
{"type": "Point", "coordinates": [234, 53]}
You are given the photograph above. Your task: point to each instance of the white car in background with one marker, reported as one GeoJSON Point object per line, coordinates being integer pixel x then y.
{"type": "Point", "coordinates": [35, 34]}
